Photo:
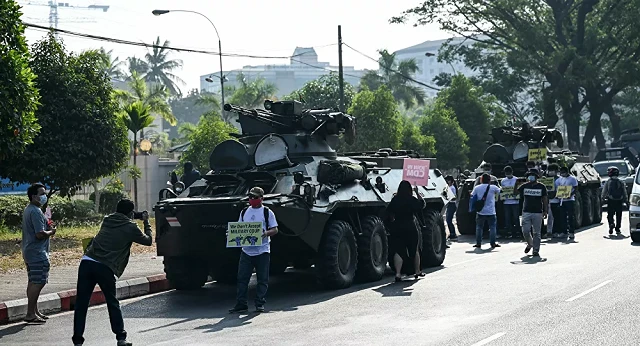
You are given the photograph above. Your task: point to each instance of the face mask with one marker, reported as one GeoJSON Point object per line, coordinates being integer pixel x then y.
{"type": "Point", "coordinates": [552, 173]}
{"type": "Point", "coordinates": [564, 174]}
{"type": "Point", "coordinates": [509, 176]}
{"type": "Point", "coordinates": [43, 199]}
{"type": "Point", "coordinates": [255, 202]}
{"type": "Point", "coordinates": [531, 178]}
{"type": "Point", "coordinates": [487, 172]}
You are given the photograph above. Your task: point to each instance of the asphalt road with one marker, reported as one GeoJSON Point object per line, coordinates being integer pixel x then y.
{"type": "Point", "coordinates": [584, 292]}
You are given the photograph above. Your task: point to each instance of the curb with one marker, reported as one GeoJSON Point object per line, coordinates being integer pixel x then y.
{"type": "Point", "coordinates": [15, 310]}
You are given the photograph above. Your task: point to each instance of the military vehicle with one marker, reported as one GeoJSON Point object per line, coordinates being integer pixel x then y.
{"type": "Point", "coordinates": [330, 209]}
{"type": "Point", "coordinates": [510, 147]}
{"type": "Point", "coordinates": [629, 138]}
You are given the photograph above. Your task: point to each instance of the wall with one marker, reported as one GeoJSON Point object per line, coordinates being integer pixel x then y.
{"type": "Point", "coordinates": [155, 174]}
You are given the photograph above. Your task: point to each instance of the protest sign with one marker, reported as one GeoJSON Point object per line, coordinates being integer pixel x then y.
{"type": "Point", "coordinates": [548, 182]}
{"type": "Point", "coordinates": [539, 154]}
{"type": "Point", "coordinates": [243, 234]}
{"type": "Point", "coordinates": [563, 192]}
{"type": "Point", "coordinates": [508, 192]}
{"type": "Point", "coordinates": [416, 171]}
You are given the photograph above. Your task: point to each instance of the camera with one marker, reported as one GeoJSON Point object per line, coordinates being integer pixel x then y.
{"type": "Point", "coordinates": [138, 214]}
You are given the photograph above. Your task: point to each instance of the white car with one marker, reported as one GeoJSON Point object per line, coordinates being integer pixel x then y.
{"type": "Point", "coordinates": [634, 209]}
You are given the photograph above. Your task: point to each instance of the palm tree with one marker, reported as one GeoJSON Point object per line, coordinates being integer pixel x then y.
{"type": "Point", "coordinates": [160, 68]}
{"type": "Point", "coordinates": [138, 66]}
{"type": "Point", "coordinates": [252, 93]}
{"type": "Point", "coordinates": [155, 96]}
{"type": "Point", "coordinates": [136, 117]}
{"type": "Point", "coordinates": [394, 74]}
{"type": "Point", "coordinates": [112, 66]}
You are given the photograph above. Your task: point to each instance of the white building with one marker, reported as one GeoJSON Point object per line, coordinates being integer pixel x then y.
{"type": "Point", "coordinates": [426, 56]}
{"type": "Point", "coordinates": [303, 68]}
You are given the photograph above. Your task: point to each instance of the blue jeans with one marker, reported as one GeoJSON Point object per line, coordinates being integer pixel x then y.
{"type": "Point", "coordinates": [491, 220]}
{"type": "Point", "coordinates": [451, 212]}
{"type": "Point", "coordinates": [245, 269]}
{"type": "Point", "coordinates": [512, 219]}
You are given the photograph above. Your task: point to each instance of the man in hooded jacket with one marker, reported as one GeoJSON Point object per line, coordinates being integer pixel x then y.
{"type": "Point", "coordinates": [105, 259]}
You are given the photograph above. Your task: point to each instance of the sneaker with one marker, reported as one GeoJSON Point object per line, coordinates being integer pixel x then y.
{"type": "Point", "coordinates": [453, 238]}
{"type": "Point", "coordinates": [536, 254]}
{"type": "Point", "coordinates": [527, 249]}
{"type": "Point", "coordinates": [477, 245]}
{"type": "Point", "coordinates": [495, 245]}
{"type": "Point", "coordinates": [618, 233]}
{"type": "Point", "coordinates": [259, 308]}
{"type": "Point", "coordinates": [124, 343]}
{"type": "Point", "coordinates": [610, 231]}
{"type": "Point", "coordinates": [239, 308]}
{"type": "Point", "coordinates": [572, 236]}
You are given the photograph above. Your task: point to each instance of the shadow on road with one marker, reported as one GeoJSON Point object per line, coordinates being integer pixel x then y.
{"type": "Point", "coordinates": [12, 330]}
{"type": "Point", "coordinates": [397, 289]}
{"type": "Point", "coordinates": [529, 260]}
{"type": "Point", "coordinates": [616, 237]}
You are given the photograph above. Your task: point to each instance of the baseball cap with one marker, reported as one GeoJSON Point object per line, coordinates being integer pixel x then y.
{"type": "Point", "coordinates": [257, 191]}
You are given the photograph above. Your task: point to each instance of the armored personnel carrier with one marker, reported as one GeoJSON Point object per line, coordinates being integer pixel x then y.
{"type": "Point", "coordinates": [330, 209]}
{"type": "Point", "coordinates": [510, 147]}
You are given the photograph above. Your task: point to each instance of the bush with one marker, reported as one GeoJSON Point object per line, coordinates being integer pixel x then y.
{"type": "Point", "coordinates": [108, 200]}
{"type": "Point", "coordinates": [64, 210]}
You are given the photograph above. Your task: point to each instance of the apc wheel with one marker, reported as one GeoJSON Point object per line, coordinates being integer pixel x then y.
{"type": "Point", "coordinates": [635, 237]}
{"type": "Point", "coordinates": [224, 268]}
{"type": "Point", "coordinates": [337, 256]}
{"type": "Point", "coordinates": [277, 266]}
{"type": "Point", "coordinates": [465, 220]}
{"type": "Point", "coordinates": [597, 207]}
{"type": "Point", "coordinates": [587, 207]}
{"type": "Point", "coordinates": [185, 273]}
{"type": "Point", "coordinates": [434, 246]}
{"type": "Point", "coordinates": [373, 249]}
{"type": "Point", "coordinates": [577, 210]}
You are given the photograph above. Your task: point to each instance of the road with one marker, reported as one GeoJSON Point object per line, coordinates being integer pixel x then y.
{"type": "Point", "coordinates": [584, 292]}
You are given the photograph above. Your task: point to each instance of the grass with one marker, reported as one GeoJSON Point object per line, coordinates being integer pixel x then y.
{"type": "Point", "coordinates": [66, 246]}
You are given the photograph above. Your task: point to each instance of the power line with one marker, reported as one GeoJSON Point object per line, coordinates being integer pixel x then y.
{"type": "Point", "coordinates": [146, 45]}
{"type": "Point", "coordinates": [392, 70]}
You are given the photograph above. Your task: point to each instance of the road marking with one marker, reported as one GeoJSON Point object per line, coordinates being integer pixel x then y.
{"type": "Point", "coordinates": [463, 262]}
{"type": "Point", "coordinates": [589, 291]}
{"type": "Point", "coordinates": [489, 339]}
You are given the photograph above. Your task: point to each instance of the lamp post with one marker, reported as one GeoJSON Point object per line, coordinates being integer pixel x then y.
{"type": "Point", "coordinates": [161, 12]}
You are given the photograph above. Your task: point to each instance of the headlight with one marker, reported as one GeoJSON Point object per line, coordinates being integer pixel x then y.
{"type": "Point", "coordinates": [635, 199]}
{"type": "Point", "coordinates": [520, 151]}
{"type": "Point", "coordinates": [271, 148]}
{"type": "Point", "coordinates": [178, 187]}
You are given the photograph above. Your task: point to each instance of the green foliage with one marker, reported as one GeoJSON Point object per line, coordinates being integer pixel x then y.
{"type": "Point", "coordinates": [189, 109]}
{"type": "Point", "coordinates": [136, 116]}
{"type": "Point", "coordinates": [323, 93]}
{"type": "Point", "coordinates": [153, 96]}
{"type": "Point", "coordinates": [160, 68]}
{"type": "Point", "coordinates": [109, 200]}
{"type": "Point", "coordinates": [450, 140]}
{"type": "Point", "coordinates": [18, 94]}
{"type": "Point", "coordinates": [82, 137]}
{"type": "Point", "coordinates": [377, 119]}
{"type": "Point", "coordinates": [251, 93]}
{"type": "Point", "coordinates": [63, 210]}
{"type": "Point", "coordinates": [112, 66]}
{"type": "Point", "coordinates": [413, 139]}
{"type": "Point", "coordinates": [211, 131]}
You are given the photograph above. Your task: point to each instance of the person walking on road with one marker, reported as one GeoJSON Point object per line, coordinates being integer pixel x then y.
{"type": "Point", "coordinates": [568, 216]}
{"type": "Point", "coordinates": [534, 210]}
{"type": "Point", "coordinates": [405, 238]}
{"type": "Point", "coordinates": [614, 193]}
{"type": "Point", "coordinates": [554, 212]}
{"type": "Point", "coordinates": [452, 207]}
{"type": "Point", "coordinates": [487, 215]}
{"type": "Point", "coordinates": [511, 204]}
{"type": "Point", "coordinates": [257, 257]}
{"type": "Point", "coordinates": [105, 259]}
{"type": "Point", "coordinates": [36, 233]}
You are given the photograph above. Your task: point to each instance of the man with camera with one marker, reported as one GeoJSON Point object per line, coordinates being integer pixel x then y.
{"type": "Point", "coordinates": [105, 259]}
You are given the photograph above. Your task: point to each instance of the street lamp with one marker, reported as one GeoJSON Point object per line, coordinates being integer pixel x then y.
{"type": "Point", "coordinates": [222, 78]}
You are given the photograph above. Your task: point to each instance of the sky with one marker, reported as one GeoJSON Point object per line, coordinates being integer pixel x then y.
{"type": "Point", "coordinates": [253, 27]}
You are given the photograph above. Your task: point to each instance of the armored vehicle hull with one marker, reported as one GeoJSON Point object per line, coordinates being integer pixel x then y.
{"type": "Point", "coordinates": [330, 209]}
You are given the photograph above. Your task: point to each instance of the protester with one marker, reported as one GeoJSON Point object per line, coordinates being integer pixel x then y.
{"type": "Point", "coordinates": [487, 215]}
{"type": "Point", "coordinates": [486, 169]}
{"type": "Point", "coordinates": [404, 231]}
{"type": "Point", "coordinates": [511, 205]}
{"type": "Point", "coordinates": [36, 233]}
{"type": "Point", "coordinates": [554, 211]}
{"type": "Point", "coordinates": [566, 204]}
{"type": "Point", "coordinates": [534, 195]}
{"type": "Point", "coordinates": [190, 175]}
{"type": "Point", "coordinates": [255, 257]}
{"type": "Point", "coordinates": [105, 259]}
{"type": "Point", "coordinates": [614, 193]}
{"type": "Point", "coordinates": [451, 207]}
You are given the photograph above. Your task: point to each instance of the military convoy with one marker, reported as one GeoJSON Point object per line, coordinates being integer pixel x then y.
{"type": "Point", "coordinates": [510, 146]}
{"type": "Point", "coordinates": [330, 209]}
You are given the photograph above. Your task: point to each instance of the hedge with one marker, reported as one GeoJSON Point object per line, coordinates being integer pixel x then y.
{"type": "Point", "coordinates": [108, 200]}
{"type": "Point", "coordinates": [63, 209]}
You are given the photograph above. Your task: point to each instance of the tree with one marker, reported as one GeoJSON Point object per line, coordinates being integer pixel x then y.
{"type": "Point", "coordinates": [136, 117]}
{"type": "Point", "coordinates": [137, 65]}
{"type": "Point", "coordinates": [160, 67]}
{"type": "Point", "coordinates": [189, 109]}
{"type": "Point", "coordinates": [82, 137]}
{"type": "Point", "coordinates": [401, 87]}
{"type": "Point", "coordinates": [19, 100]}
{"type": "Point", "coordinates": [323, 93]}
{"type": "Point", "coordinates": [211, 131]}
{"type": "Point", "coordinates": [155, 96]}
{"type": "Point", "coordinates": [378, 120]}
{"type": "Point", "coordinates": [112, 66]}
{"type": "Point", "coordinates": [413, 139]}
{"type": "Point", "coordinates": [251, 93]}
{"type": "Point", "coordinates": [451, 142]}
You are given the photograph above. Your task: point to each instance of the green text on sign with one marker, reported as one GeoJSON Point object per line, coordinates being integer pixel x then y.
{"type": "Point", "coordinates": [242, 234]}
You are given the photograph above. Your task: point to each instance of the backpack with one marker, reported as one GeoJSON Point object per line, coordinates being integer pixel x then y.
{"type": "Point", "coordinates": [266, 216]}
{"type": "Point", "coordinates": [616, 190]}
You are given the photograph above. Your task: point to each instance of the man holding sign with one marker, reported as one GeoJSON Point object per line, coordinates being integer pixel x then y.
{"type": "Point", "coordinates": [566, 187]}
{"type": "Point", "coordinates": [511, 204]}
{"type": "Point", "coordinates": [258, 256]}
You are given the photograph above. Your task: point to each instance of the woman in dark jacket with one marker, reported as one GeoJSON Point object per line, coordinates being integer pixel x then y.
{"type": "Point", "coordinates": [404, 231]}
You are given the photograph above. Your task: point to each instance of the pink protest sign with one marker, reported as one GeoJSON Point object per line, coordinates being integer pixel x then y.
{"type": "Point", "coordinates": [416, 171]}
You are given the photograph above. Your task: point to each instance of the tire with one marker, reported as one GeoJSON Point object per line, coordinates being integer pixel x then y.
{"type": "Point", "coordinates": [373, 249]}
{"type": "Point", "coordinates": [434, 245]}
{"type": "Point", "coordinates": [185, 273]}
{"type": "Point", "coordinates": [635, 237]}
{"type": "Point", "coordinates": [337, 256]}
{"type": "Point", "coordinates": [577, 209]}
{"type": "Point", "coordinates": [587, 207]}
{"type": "Point", "coordinates": [597, 207]}
{"type": "Point", "coordinates": [465, 220]}
{"type": "Point", "coordinates": [224, 268]}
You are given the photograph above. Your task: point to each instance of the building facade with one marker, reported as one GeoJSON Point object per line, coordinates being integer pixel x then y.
{"type": "Point", "coordinates": [303, 68]}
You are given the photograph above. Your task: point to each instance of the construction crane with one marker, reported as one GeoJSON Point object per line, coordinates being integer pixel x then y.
{"type": "Point", "coordinates": [53, 11]}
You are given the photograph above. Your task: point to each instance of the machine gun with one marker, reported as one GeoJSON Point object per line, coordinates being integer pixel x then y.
{"type": "Point", "coordinates": [288, 117]}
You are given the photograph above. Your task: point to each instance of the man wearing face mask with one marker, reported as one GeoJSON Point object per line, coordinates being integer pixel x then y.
{"type": "Point", "coordinates": [554, 204]}
{"type": "Point", "coordinates": [511, 204]}
{"type": "Point", "coordinates": [534, 195]}
{"type": "Point", "coordinates": [35, 250]}
{"type": "Point", "coordinates": [566, 204]}
{"type": "Point", "coordinates": [105, 259]}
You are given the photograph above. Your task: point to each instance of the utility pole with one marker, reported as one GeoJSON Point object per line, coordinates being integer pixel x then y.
{"type": "Point", "coordinates": [340, 73]}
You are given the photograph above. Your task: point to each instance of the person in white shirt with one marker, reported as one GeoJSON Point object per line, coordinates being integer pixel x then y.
{"type": "Point", "coordinates": [554, 205]}
{"type": "Point", "coordinates": [451, 207]}
{"type": "Point", "coordinates": [511, 204]}
{"type": "Point", "coordinates": [568, 215]}
{"type": "Point", "coordinates": [487, 192]}
{"type": "Point", "coordinates": [257, 257]}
